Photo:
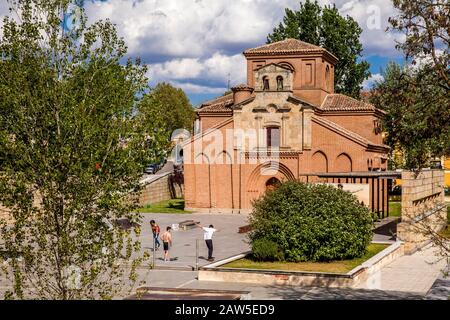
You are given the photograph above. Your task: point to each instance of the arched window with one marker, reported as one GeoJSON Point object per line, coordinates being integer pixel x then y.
{"type": "Point", "coordinates": [272, 184]}
{"type": "Point", "coordinates": [265, 83]}
{"type": "Point", "coordinates": [279, 83]}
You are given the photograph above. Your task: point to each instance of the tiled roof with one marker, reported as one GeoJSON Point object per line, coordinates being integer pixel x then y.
{"type": "Point", "coordinates": [338, 102]}
{"type": "Point", "coordinates": [242, 86]}
{"type": "Point", "coordinates": [218, 99]}
{"type": "Point", "coordinates": [285, 46]}
{"type": "Point", "coordinates": [220, 104]}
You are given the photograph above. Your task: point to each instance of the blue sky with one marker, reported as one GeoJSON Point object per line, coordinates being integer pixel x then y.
{"type": "Point", "coordinates": [197, 44]}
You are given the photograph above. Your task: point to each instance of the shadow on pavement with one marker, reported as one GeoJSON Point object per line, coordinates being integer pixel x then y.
{"type": "Point", "coordinates": [298, 293]}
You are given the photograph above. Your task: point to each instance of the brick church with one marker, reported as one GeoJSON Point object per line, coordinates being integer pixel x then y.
{"type": "Point", "coordinates": [284, 123]}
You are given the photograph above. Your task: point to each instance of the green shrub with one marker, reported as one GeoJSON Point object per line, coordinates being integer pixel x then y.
{"type": "Point", "coordinates": [312, 222]}
{"type": "Point", "coordinates": [266, 250]}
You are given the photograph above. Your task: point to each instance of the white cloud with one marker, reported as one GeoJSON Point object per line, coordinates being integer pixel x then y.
{"type": "Point", "coordinates": [218, 69]}
{"type": "Point", "coordinates": [177, 69]}
{"type": "Point", "coordinates": [199, 42]}
{"type": "Point", "coordinates": [189, 28]}
{"type": "Point", "coordinates": [423, 60]}
{"type": "Point", "coordinates": [372, 16]}
{"type": "Point", "coordinates": [368, 84]}
{"type": "Point", "coordinates": [3, 12]}
{"type": "Point", "coordinates": [194, 88]}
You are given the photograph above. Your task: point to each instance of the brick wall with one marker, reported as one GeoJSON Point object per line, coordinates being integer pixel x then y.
{"type": "Point", "coordinates": [158, 190]}
{"type": "Point", "coordinates": [423, 208]}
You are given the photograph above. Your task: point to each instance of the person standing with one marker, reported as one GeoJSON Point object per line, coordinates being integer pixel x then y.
{"type": "Point", "coordinates": [166, 238]}
{"type": "Point", "coordinates": [207, 236]}
{"type": "Point", "coordinates": [155, 230]}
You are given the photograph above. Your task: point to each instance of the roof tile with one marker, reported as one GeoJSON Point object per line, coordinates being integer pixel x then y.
{"type": "Point", "coordinates": [220, 104]}
{"type": "Point", "coordinates": [338, 102]}
{"type": "Point", "coordinates": [286, 46]}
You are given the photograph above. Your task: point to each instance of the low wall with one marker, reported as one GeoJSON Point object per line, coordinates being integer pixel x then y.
{"type": "Point", "coordinates": [424, 211]}
{"type": "Point", "coordinates": [378, 261]}
{"type": "Point", "coordinates": [214, 272]}
{"type": "Point", "coordinates": [158, 189]}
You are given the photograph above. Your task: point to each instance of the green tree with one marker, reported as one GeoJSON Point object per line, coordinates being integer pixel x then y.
{"type": "Point", "coordinates": [309, 222]}
{"type": "Point", "coordinates": [73, 140]}
{"type": "Point", "coordinates": [418, 117]}
{"type": "Point", "coordinates": [171, 106]}
{"type": "Point", "coordinates": [325, 27]}
{"type": "Point", "coordinates": [426, 25]}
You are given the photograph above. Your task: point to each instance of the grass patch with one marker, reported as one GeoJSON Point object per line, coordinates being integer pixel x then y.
{"type": "Point", "coordinates": [341, 266]}
{"type": "Point", "coordinates": [395, 208]}
{"type": "Point", "coordinates": [167, 206]}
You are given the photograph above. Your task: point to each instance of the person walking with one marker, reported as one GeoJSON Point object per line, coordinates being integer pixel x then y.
{"type": "Point", "coordinates": [155, 230]}
{"type": "Point", "coordinates": [166, 238]}
{"type": "Point", "coordinates": [207, 236]}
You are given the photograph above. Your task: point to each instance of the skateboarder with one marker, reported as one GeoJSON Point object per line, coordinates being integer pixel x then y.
{"type": "Point", "coordinates": [207, 236]}
{"type": "Point", "coordinates": [166, 237]}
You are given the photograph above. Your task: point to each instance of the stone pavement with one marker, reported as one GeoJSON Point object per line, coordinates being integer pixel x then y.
{"type": "Point", "coordinates": [227, 241]}
{"type": "Point", "coordinates": [188, 280]}
{"type": "Point", "coordinates": [414, 273]}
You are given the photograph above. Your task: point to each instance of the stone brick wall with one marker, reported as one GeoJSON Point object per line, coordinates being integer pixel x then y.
{"type": "Point", "coordinates": [423, 208]}
{"type": "Point", "coordinates": [4, 214]}
{"type": "Point", "coordinates": [158, 190]}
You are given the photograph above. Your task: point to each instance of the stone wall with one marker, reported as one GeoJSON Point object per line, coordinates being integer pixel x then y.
{"type": "Point", "coordinates": [159, 189]}
{"type": "Point", "coordinates": [4, 214]}
{"type": "Point", "coordinates": [423, 208]}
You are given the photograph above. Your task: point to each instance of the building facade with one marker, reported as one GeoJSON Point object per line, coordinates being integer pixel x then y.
{"type": "Point", "coordinates": [284, 123]}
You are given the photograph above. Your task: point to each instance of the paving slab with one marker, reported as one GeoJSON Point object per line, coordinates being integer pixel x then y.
{"type": "Point", "coordinates": [227, 241]}
{"type": "Point", "coordinates": [413, 273]}
{"type": "Point", "coordinates": [188, 280]}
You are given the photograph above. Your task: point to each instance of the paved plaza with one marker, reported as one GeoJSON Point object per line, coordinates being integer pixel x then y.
{"type": "Point", "coordinates": [414, 273]}
{"type": "Point", "coordinates": [408, 277]}
{"type": "Point", "coordinates": [188, 280]}
{"type": "Point", "coordinates": [416, 276]}
{"type": "Point", "coordinates": [227, 241]}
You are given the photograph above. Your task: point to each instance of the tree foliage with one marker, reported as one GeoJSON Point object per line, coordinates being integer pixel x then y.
{"type": "Point", "coordinates": [416, 97]}
{"type": "Point", "coordinates": [73, 141]}
{"type": "Point", "coordinates": [171, 106]}
{"type": "Point", "coordinates": [311, 222]}
{"type": "Point", "coordinates": [418, 114]}
{"type": "Point", "coordinates": [325, 27]}
{"type": "Point", "coordinates": [426, 25]}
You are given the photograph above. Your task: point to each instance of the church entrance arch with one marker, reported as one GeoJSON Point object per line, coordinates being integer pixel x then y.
{"type": "Point", "coordinates": [265, 176]}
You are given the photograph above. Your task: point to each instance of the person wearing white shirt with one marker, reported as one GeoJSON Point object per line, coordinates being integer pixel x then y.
{"type": "Point", "coordinates": [207, 236]}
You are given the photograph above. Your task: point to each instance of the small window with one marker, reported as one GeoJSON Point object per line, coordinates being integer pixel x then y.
{"type": "Point", "coordinates": [266, 83]}
{"type": "Point", "coordinates": [327, 78]}
{"type": "Point", "coordinates": [279, 83]}
{"type": "Point", "coordinates": [273, 137]}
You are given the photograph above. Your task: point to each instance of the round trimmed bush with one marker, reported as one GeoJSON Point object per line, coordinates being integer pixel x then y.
{"type": "Point", "coordinates": [312, 222]}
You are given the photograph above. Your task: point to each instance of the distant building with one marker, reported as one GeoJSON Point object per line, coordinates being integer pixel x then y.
{"type": "Point", "coordinates": [285, 122]}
